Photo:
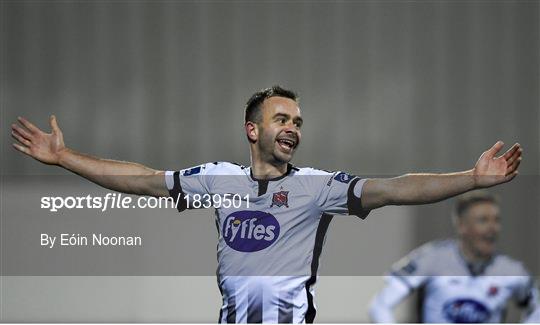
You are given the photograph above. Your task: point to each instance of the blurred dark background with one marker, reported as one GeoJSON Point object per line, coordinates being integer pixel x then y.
{"type": "Point", "coordinates": [386, 88]}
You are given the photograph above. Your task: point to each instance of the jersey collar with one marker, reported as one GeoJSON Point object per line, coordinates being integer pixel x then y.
{"type": "Point", "coordinates": [289, 169]}
{"type": "Point", "coordinates": [475, 269]}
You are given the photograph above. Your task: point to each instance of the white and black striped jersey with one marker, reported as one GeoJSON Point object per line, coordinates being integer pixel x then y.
{"type": "Point", "coordinates": [453, 291]}
{"type": "Point", "coordinates": [270, 241]}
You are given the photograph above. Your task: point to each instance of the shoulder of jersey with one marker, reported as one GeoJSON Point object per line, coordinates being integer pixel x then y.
{"type": "Point", "coordinates": [310, 171]}
{"type": "Point", "coordinates": [223, 168]}
{"type": "Point", "coordinates": [422, 257]}
{"type": "Point", "coordinates": [509, 266]}
{"type": "Point", "coordinates": [431, 251]}
{"type": "Point", "coordinates": [434, 247]}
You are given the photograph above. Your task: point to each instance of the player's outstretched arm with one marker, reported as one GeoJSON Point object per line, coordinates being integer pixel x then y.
{"type": "Point", "coordinates": [489, 170]}
{"type": "Point", "coordinates": [119, 176]}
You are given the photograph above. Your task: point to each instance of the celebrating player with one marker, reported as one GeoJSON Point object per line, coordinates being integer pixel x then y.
{"type": "Point", "coordinates": [268, 248]}
{"type": "Point", "coordinates": [463, 280]}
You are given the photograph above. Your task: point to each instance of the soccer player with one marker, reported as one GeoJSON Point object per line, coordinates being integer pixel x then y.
{"type": "Point", "coordinates": [268, 248]}
{"type": "Point", "coordinates": [461, 280]}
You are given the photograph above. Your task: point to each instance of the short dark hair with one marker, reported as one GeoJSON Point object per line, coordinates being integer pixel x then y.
{"type": "Point", "coordinates": [253, 105]}
{"type": "Point", "coordinates": [465, 201]}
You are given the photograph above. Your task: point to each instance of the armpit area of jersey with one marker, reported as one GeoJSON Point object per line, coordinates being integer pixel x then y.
{"type": "Point", "coordinates": [177, 194]}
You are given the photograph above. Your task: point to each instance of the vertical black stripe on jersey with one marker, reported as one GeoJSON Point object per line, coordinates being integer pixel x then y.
{"type": "Point", "coordinates": [263, 187]}
{"type": "Point", "coordinates": [255, 304]}
{"type": "Point", "coordinates": [220, 319]}
{"type": "Point", "coordinates": [285, 313]}
{"type": "Point", "coordinates": [421, 300]}
{"type": "Point", "coordinates": [317, 250]}
{"type": "Point", "coordinates": [231, 310]}
{"type": "Point", "coordinates": [177, 194]}
{"type": "Point", "coordinates": [220, 315]}
{"type": "Point", "coordinates": [263, 183]}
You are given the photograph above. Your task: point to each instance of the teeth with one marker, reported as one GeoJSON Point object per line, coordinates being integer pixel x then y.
{"type": "Point", "coordinates": [287, 142]}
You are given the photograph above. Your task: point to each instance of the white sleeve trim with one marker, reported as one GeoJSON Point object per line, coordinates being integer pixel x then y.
{"type": "Point", "coordinates": [358, 188]}
{"type": "Point", "coordinates": [169, 179]}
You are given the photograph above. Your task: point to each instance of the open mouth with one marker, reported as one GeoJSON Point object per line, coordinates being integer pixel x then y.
{"type": "Point", "coordinates": [287, 144]}
{"type": "Point", "coordinates": [490, 239]}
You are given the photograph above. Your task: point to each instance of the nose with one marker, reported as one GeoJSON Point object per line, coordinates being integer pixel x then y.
{"type": "Point", "coordinates": [494, 228]}
{"type": "Point", "coordinates": [291, 129]}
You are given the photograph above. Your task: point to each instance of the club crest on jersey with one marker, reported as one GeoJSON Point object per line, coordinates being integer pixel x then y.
{"type": "Point", "coordinates": [343, 178]}
{"type": "Point", "coordinates": [466, 311]}
{"type": "Point", "coordinates": [280, 199]}
{"type": "Point", "coordinates": [493, 291]}
{"type": "Point", "coordinates": [250, 231]}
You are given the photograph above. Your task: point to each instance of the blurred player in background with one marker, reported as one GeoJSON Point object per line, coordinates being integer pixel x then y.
{"type": "Point", "coordinates": [461, 280]}
{"type": "Point", "coordinates": [279, 228]}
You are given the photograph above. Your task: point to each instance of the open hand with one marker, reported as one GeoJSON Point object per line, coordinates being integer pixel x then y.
{"type": "Point", "coordinates": [45, 147]}
{"type": "Point", "coordinates": [490, 170]}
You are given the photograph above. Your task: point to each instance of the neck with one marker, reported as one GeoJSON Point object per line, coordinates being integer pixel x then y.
{"type": "Point", "coordinates": [470, 255]}
{"type": "Point", "coordinates": [265, 170]}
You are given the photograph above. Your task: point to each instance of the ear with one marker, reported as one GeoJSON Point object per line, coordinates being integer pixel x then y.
{"type": "Point", "coordinates": [252, 132]}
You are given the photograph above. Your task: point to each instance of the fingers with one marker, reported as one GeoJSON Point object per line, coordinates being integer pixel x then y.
{"type": "Point", "coordinates": [21, 148]}
{"type": "Point", "coordinates": [511, 151]}
{"type": "Point", "coordinates": [515, 156]}
{"type": "Point", "coordinates": [491, 152]}
{"type": "Point", "coordinates": [20, 139]}
{"type": "Point", "coordinates": [21, 131]}
{"type": "Point", "coordinates": [31, 127]}
{"type": "Point", "coordinates": [510, 177]}
{"type": "Point", "coordinates": [54, 124]}
{"type": "Point", "coordinates": [513, 167]}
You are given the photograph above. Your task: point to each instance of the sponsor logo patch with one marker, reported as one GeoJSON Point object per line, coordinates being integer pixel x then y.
{"type": "Point", "coordinates": [343, 178]}
{"type": "Point", "coordinates": [250, 231]}
{"type": "Point", "coordinates": [410, 268]}
{"type": "Point", "coordinates": [466, 311]}
{"type": "Point", "coordinates": [192, 171]}
{"type": "Point", "coordinates": [405, 266]}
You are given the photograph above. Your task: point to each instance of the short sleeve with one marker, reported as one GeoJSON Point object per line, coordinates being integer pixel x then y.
{"type": "Point", "coordinates": [336, 193]}
{"type": "Point", "coordinates": [412, 269]}
{"type": "Point", "coordinates": [190, 181]}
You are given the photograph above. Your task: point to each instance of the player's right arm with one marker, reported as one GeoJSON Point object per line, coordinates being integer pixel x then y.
{"type": "Point", "coordinates": [407, 275]}
{"type": "Point", "coordinates": [121, 176]}
{"type": "Point", "coordinates": [381, 309]}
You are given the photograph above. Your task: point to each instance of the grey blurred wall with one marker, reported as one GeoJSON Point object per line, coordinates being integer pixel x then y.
{"type": "Point", "coordinates": [386, 88]}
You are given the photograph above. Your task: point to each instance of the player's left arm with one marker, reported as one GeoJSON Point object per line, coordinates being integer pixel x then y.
{"type": "Point", "coordinates": [409, 189]}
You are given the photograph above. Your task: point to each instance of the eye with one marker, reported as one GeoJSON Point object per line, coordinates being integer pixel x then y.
{"type": "Point", "coordinates": [282, 120]}
{"type": "Point", "coordinates": [298, 124]}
